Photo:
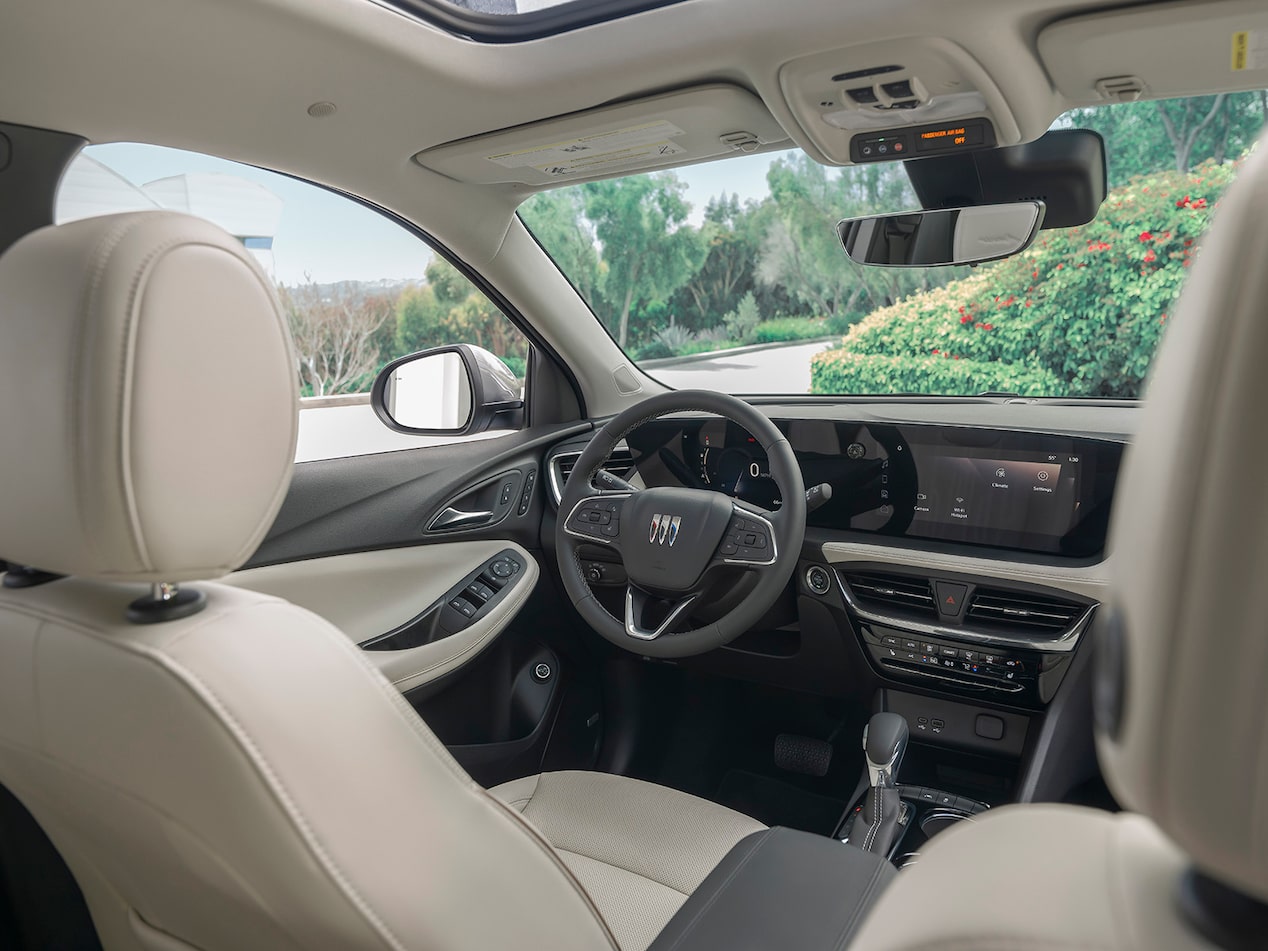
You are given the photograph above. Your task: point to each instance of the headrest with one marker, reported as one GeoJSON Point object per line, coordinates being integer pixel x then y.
{"type": "Point", "coordinates": [1182, 691]}
{"type": "Point", "coordinates": [147, 400]}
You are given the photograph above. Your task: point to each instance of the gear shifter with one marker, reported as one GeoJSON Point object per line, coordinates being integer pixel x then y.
{"type": "Point", "coordinates": [884, 742]}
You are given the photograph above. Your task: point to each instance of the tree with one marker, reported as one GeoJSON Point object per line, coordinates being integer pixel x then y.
{"type": "Point", "coordinates": [732, 237]}
{"type": "Point", "coordinates": [448, 309]}
{"type": "Point", "coordinates": [801, 251]}
{"type": "Point", "coordinates": [335, 330]}
{"type": "Point", "coordinates": [557, 220]}
{"type": "Point", "coordinates": [1155, 136]}
{"type": "Point", "coordinates": [649, 248]}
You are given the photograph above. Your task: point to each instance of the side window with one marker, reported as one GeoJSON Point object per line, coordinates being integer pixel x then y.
{"type": "Point", "coordinates": [358, 289]}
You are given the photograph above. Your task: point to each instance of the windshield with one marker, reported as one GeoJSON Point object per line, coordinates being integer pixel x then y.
{"type": "Point", "coordinates": [730, 276]}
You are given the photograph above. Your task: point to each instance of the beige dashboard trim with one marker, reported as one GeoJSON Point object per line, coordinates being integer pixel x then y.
{"type": "Point", "coordinates": [1090, 581]}
{"type": "Point", "coordinates": [370, 593]}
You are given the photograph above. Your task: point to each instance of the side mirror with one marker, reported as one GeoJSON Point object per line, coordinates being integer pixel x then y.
{"type": "Point", "coordinates": [448, 391]}
{"type": "Point", "coordinates": [945, 236]}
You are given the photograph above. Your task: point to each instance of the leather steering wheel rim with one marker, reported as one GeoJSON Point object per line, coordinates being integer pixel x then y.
{"type": "Point", "coordinates": [788, 525]}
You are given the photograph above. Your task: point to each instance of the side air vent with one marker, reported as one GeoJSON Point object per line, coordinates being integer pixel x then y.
{"type": "Point", "coordinates": [1018, 612]}
{"type": "Point", "coordinates": [620, 463]}
{"type": "Point", "coordinates": [897, 593]}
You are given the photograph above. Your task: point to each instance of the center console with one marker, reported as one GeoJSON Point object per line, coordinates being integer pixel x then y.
{"type": "Point", "coordinates": [1013, 644]}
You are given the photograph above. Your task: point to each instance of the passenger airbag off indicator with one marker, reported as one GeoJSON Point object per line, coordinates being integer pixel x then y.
{"type": "Point", "coordinates": [950, 597]}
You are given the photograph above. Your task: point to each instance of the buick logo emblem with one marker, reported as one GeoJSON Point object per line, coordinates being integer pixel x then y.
{"type": "Point", "coordinates": [664, 529]}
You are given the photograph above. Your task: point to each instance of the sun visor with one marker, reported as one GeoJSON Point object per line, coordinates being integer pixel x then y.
{"type": "Point", "coordinates": [679, 128]}
{"type": "Point", "coordinates": [1159, 51]}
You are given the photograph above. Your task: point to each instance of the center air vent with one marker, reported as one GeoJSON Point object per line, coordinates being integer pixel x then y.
{"type": "Point", "coordinates": [911, 596]}
{"type": "Point", "coordinates": [1014, 611]}
{"type": "Point", "coordinates": [620, 463]}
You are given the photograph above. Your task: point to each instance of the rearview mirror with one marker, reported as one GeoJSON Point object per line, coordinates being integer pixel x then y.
{"type": "Point", "coordinates": [945, 236]}
{"type": "Point", "coordinates": [448, 391]}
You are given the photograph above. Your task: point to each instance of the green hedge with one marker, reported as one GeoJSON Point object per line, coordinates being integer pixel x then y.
{"type": "Point", "coordinates": [1078, 314]}
{"type": "Point", "coordinates": [840, 371]}
{"type": "Point", "coordinates": [778, 329]}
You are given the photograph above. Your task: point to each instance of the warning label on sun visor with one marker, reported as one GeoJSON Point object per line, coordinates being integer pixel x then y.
{"type": "Point", "coordinates": [1250, 50]}
{"type": "Point", "coordinates": [596, 153]}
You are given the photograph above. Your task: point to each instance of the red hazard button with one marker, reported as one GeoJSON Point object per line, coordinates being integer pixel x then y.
{"type": "Point", "coordinates": [950, 597]}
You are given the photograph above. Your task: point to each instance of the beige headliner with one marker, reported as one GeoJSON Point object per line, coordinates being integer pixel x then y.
{"type": "Point", "coordinates": [235, 77]}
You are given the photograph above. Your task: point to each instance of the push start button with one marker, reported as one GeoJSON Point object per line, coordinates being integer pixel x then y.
{"type": "Point", "coordinates": [950, 597]}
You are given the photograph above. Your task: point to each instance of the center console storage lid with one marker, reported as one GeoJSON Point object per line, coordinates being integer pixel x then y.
{"type": "Point", "coordinates": [780, 888]}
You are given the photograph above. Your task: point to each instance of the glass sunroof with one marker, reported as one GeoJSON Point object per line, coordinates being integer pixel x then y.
{"type": "Point", "coordinates": [511, 21]}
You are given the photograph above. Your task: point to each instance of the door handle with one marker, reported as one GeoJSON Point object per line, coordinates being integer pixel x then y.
{"type": "Point", "coordinates": [456, 518]}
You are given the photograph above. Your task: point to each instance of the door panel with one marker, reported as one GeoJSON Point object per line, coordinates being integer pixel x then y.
{"type": "Point", "coordinates": [389, 499]}
{"type": "Point", "coordinates": [359, 542]}
{"type": "Point", "coordinates": [368, 594]}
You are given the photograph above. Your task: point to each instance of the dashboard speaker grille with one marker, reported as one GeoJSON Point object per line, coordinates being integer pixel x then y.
{"type": "Point", "coordinates": [909, 595]}
{"type": "Point", "coordinates": [991, 608]}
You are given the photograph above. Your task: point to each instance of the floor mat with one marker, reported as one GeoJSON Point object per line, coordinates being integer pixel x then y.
{"type": "Point", "coordinates": [778, 803]}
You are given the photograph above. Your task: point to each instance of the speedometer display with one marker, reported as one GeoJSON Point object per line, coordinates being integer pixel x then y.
{"type": "Point", "coordinates": [734, 463]}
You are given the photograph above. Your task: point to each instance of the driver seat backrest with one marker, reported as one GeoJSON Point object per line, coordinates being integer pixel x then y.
{"type": "Point", "coordinates": [184, 769]}
{"type": "Point", "coordinates": [1181, 656]}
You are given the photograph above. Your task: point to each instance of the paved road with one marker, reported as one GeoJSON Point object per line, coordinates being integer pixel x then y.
{"type": "Point", "coordinates": [776, 370]}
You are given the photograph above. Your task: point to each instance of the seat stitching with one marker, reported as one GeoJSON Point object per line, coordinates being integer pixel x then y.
{"type": "Point", "coordinates": [404, 712]}
{"type": "Point", "coordinates": [433, 745]}
{"type": "Point", "coordinates": [717, 892]}
{"type": "Point", "coordinates": [92, 779]}
{"type": "Point", "coordinates": [859, 906]}
{"type": "Point", "coordinates": [876, 821]}
{"type": "Point", "coordinates": [618, 865]}
{"type": "Point", "coordinates": [208, 698]}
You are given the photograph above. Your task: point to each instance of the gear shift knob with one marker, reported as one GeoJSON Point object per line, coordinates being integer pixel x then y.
{"type": "Point", "coordinates": [884, 742]}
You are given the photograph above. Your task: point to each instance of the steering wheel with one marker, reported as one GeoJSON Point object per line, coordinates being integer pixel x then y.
{"type": "Point", "coordinates": [675, 541]}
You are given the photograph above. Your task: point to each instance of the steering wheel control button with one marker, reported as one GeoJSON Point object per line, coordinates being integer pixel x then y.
{"type": "Point", "coordinates": [817, 579]}
{"type": "Point", "coordinates": [598, 518]}
{"type": "Point", "coordinates": [950, 597]}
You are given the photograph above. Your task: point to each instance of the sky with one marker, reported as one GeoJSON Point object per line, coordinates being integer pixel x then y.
{"type": "Point", "coordinates": [313, 237]}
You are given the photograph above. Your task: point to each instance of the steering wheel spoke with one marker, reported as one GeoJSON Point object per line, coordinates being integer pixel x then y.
{"type": "Point", "coordinates": [597, 518]}
{"type": "Point", "coordinates": [751, 539]}
{"type": "Point", "coordinates": [637, 602]}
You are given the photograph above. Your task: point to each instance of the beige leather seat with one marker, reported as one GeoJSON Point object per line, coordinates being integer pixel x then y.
{"type": "Point", "coordinates": [1182, 655]}
{"type": "Point", "coordinates": [239, 777]}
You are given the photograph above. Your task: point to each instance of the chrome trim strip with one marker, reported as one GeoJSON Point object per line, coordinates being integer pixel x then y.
{"type": "Point", "coordinates": [1000, 685]}
{"type": "Point", "coordinates": [632, 627]}
{"type": "Point", "coordinates": [1067, 642]}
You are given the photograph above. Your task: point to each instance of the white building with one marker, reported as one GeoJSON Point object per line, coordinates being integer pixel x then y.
{"type": "Point", "coordinates": [245, 209]}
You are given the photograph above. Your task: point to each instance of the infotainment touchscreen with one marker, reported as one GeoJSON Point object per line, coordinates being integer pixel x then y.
{"type": "Point", "coordinates": [1034, 492]}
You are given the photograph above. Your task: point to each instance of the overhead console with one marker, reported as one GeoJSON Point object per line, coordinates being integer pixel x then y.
{"type": "Point", "coordinates": [898, 99]}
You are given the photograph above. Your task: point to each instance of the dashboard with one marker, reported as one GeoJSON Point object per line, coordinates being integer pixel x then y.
{"type": "Point", "coordinates": [1040, 493]}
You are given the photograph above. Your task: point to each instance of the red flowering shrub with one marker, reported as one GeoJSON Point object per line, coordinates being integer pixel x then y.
{"type": "Point", "coordinates": [1089, 329]}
